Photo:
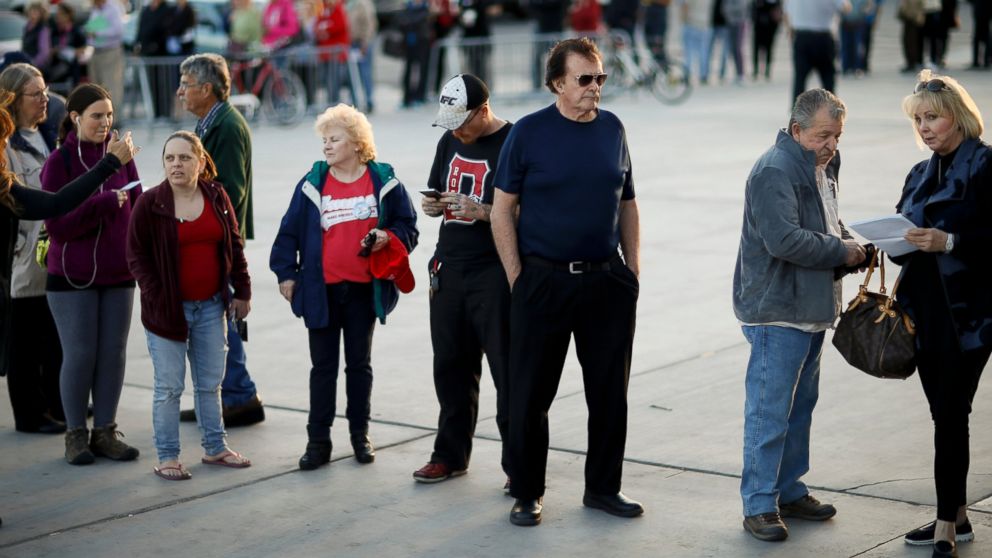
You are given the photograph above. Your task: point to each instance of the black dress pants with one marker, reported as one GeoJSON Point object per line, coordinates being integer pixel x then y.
{"type": "Point", "coordinates": [813, 50]}
{"type": "Point", "coordinates": [351, 313]}
{"type": "Point", "coordinates": [470, 313]}
{"type": "Point", "coordinates": [548, 306]}
{"type": "Point", "coordinates": [35, 362]}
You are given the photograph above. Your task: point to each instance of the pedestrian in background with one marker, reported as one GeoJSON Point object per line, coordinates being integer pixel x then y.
{"type": "Point", "coordinates": [90, 290]}
{"type": "Point", "coordinates": [469, 297]}
{"type": "Point", "coordinates": [474, 17]}
{"type": "Point", "coordinates": [36, 40]}
{"type": "Point", "coordinates": [204, 89]}
{"type": "Point", "coordinates": [853, 33]}
{"type": "Point", "coordinates": [810, 23]}
{"type": "Point", "coordinates": [415, 23]}
{"type": "Point", "coordinates": [913, 16]}
{"type": "Point", "coordinates": [245, 27]}
{"type": "Point", "coordinates": [765, 18]}
{"type": "Point", "coordinates": [697, 36]}
{"type": "Point", "coordinates": [345, 210]}
{"type": "Point", "coordinates": [69, 51]}
{"type": "Point", "coordinates": [944, 285]}
{"type": "Point", "coordinates": [559, 236]}
{"type": "Point", "coordinates": [363, 25]}
{"type": "Point", "coordinates": [35, 356]}
{"type": "Point", "coordinates": [728, 28]}
{"type": "Point", "coordinates": [281, 25]}
{"type": "Point", "coordinates": [656, 28]}
{"type": "Point", "coordinates": [331, 36]}
{"type": "Point", "coordinates": [981, 53]}
{"type": "Point", "coordinates": [184, 249]}
{"type": "Point", "coordinates": [786, 295]}
{"type": "Point", "coordinates": [151, 42]}
{"type": "Point", "coordinates": [105, 30]}
{"type": "Point", "coordinates": [550, 18]}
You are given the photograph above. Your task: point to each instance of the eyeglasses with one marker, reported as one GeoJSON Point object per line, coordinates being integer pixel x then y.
{"type": "Point", "coordinates": [933, 86]}
{"type": "Point", "coordinates": [37, 95]}
{"type": "Point", "coordinates": [184, 86]}
{"type": "Point", "coordinates": [585, 79]}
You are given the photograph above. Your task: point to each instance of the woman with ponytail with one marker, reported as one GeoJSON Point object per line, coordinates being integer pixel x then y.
{"type": "Point", "coordinates": [184, 248]}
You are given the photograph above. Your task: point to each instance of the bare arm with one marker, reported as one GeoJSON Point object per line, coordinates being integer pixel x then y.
{"type": "Point", "coordinates": [505, 233]}
{"type": "Point", "coordinates": [630, 235]}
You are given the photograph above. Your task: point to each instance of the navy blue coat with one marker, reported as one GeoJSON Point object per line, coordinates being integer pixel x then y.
{"type": "Point", "coordinates": [961, 206]}
{"type": "Point", "coordinates": [297, 252]}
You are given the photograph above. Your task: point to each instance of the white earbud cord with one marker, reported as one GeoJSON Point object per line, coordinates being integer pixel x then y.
{"type": "Point", "coordinates": [99, 230]}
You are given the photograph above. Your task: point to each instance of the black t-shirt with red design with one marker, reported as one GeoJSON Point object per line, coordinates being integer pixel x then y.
{"type": "Point", "coordinates": [467, 169]}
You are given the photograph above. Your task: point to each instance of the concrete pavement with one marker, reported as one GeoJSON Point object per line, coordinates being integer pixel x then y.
{"type": "Point", "coordinates": [872, 439]}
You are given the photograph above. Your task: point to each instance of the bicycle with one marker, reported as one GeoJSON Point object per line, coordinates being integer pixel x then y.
{"type": "Point", "coordinates": [280, 92]}
{"type": "Point", "coordinates": [631, 66]}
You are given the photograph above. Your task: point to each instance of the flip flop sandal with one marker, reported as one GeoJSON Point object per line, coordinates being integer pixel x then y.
{"type": "Point", "coordinates": [221, 460]}
{"type": "Point", "coordinates": [183, 473]}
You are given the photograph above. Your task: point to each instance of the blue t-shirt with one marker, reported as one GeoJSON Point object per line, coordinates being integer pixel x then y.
{"type": "Point", "coordinates": [570, 177]}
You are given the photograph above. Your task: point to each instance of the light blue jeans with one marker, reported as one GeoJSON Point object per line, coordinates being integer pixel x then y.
{"type": "Point", "coordinates": [782, 385]}
{"type": "Point", "coordinates": [206, 348]}
{"type": "Point", "coordinates": [696, 47]}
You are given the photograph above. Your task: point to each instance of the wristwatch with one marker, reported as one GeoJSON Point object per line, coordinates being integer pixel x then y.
{"type": "Point", "coordinates": [949, 245]}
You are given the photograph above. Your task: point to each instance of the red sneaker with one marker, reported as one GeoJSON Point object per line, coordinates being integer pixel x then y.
{"type": "Point", "coordinates": [436, 472]}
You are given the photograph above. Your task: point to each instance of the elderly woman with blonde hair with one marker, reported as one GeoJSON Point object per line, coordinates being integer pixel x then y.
{"type": "Point", "coordinates": [944, 285]}
{"type": "Point", "coordinates": [347, 206]}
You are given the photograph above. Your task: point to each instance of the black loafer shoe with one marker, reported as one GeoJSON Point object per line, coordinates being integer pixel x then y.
{"type": "Point", "coordinates": [526, 512]}
{"type": "Point", "coordinates": [364, 452]}
{"type": "Point", "coordinates": [187, 415]}
{"type": "Point", "coordinates": [945, 549]}
{"type": "Point", "coordinates": [251, 412]}
{"type": "Point", "coordinates": [613, 504]}
{"type": "Point", "coordinates": [317, 454]}
{"type": "Point", "coordinates": [766, 527]}
{"type": "Point", "coordinates": [924, 535]}
{"type": "Point", "coordinates": [808, 508]}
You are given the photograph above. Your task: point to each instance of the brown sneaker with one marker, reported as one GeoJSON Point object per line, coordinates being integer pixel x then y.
{"type": "Point", "coordinates": [105, 443]}
{"type": "Point", "coordinates": [766, 526]}
{"type": "Point", "coordinates": [77, 452]}
{"type": "Point", "coordinates": [436, 472]}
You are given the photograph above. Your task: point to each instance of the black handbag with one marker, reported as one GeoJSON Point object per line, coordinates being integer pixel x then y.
{"type": "Point", "coordinates": [874, 334]}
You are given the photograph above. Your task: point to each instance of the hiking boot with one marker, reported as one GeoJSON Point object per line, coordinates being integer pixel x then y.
{"type": "Point", "coordinates": [766, 526]}
{"type": "Point", "coordinates": [316, 454]}
{"type": "Point", "coordinates": [808, 508]}
{"type": "Point", "coordinates": [364, 452]}
{"type": "Point", "coordinates": [105, 443]}
{"type": "Point", "coordinates": [436, 472]}
{"type": "Point", "coordinates": [77, 451]}
{"type": "Point", "coordinates": [924, 535]}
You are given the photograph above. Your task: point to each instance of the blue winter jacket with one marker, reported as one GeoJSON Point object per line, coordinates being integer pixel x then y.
{"type": "Point", "coordinates": [297, 252]}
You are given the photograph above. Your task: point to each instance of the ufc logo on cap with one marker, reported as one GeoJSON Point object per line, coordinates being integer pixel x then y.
{"type": "Point", "coordinates": [445, 100]}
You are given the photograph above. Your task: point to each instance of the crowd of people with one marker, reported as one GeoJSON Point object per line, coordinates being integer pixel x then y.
{"type": "Point", "coordinates": [526, 261]}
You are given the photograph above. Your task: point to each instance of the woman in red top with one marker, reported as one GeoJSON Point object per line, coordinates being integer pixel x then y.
{"type": "Point", "coordinates": [330, 33]}
{"type": "Point", "coordinates": [184, 248]}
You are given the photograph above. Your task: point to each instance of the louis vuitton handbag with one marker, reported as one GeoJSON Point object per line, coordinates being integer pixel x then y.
{"type": "Point", "coordinates": [874, 334]}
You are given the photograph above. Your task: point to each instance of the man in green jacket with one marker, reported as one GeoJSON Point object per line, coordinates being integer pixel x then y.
{"type": "Point", "coordinates": [204, 87]}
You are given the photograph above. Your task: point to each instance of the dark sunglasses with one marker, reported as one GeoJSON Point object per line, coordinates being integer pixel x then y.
{"type": "Point", "coordinates": [933, 86]}
{"type": "Point", "coordinates": [585, 79]}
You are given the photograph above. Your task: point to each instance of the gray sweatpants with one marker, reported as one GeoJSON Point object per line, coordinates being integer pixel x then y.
{"type": "Point", "coordinates": [93, 325]}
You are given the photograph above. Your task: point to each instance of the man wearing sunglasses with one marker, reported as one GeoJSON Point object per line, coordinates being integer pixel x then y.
{"type": "Point", "coordinates": [469, 297]}
{"type": "Point", "coordinates": [563, 212]}
{"type": "Point", "coordinates": [787, 293]}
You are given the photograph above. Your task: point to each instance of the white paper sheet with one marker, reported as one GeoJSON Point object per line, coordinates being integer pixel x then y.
{"type": "Point", "coordinates": [886, 233]}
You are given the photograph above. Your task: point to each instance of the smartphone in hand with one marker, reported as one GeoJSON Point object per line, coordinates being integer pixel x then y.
{"type": "Point", "coordinates": [431, 193]}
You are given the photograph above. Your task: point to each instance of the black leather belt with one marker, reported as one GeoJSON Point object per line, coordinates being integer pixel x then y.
{"type": "Point", "coordinates": [574, 268]}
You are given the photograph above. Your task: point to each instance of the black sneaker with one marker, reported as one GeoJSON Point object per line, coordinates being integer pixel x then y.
{"type": "Point", "coordinates": [808, 508]}
{"type": "Point", "coordinates": [766, 527]}
{"type": "Point", "coordinates": [924, 535]}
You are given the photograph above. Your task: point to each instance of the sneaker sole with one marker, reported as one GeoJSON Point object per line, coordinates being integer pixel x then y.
{"type": "Point", "coordinates": [806, 517]}
{"type": "Point", "coordinates": [434, 480]}
{"type": "Point", "coordinates": [964, 537]}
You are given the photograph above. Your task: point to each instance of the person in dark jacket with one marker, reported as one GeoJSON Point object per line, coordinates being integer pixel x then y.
{"type": "Point", "coordinates": [152, 42]}
{"type": "Point", "coordinates": [345, 209]}
{"type": "Point", "coordinates": [945, 284]}
{"type": "Point", "coordinates": [184, 249]}
{"type": "Point", "coordinates": [20, 203]}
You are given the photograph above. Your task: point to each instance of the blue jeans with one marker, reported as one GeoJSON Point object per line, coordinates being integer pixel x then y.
{"type": "Point", "coordinates": [365, 75]}
{"type": "Point", "coordinates": [205, 348]}
{"type": "Point", "coordinates": [782, 385]}
{"type": "Point", "coordinates": [237, 388]}
{"type": "Point", "coordinates": [696, 44]}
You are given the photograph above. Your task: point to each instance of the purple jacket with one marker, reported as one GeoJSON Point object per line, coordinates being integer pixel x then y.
{"type": "Point", "coordinates": [74, 235]}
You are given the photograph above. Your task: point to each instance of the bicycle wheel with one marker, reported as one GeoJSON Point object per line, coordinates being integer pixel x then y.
{"type": "Point", "coordinates": [617, 82]}
{"type": "Point", "coordinates": [670, 82]}
{"type": "Point", "coordinates": [284, 100]}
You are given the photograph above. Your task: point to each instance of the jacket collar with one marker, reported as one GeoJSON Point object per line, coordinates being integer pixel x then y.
{"type": "Point", "coordinates": [47, 131]}
{"type": "Point", "coordinates": [222, 109]}
{"type": "Point", "coordinates": [956, 178]}
{"type": "Point", "coordinates": [383, 180]}
{"type": "Point", "coordinates": [807, 158]}
{"type": "Point", "coordinates": [164, 203]}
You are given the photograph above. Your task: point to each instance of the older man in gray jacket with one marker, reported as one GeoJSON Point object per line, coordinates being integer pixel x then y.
{"type": "Point", "coordinates": [786, 297]}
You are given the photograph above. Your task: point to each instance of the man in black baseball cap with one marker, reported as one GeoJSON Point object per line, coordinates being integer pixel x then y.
{"type": "Point", "coordinates": [469, 294]}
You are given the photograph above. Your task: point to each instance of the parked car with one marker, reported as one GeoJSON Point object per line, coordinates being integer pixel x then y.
{"type": "Point", "coordinates": [11, 30]}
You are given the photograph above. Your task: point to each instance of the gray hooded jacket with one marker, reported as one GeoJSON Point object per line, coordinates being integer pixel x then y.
{"type": "Point", "coordinates": [786, 260]}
